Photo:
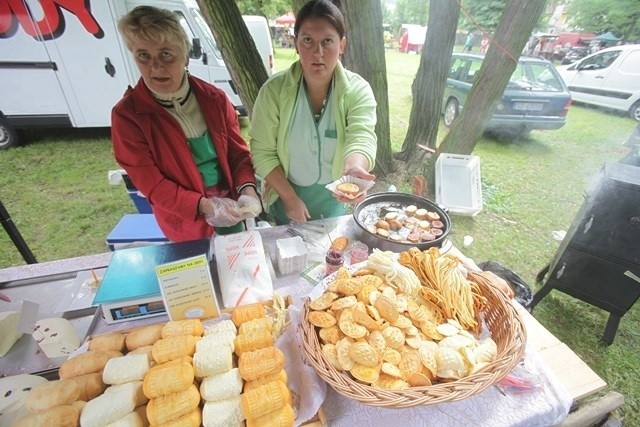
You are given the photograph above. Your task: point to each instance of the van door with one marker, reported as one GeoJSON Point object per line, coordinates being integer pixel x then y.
{"type": "Point", "coordinates": [31, 92]}
{"type": "Point", "coordinates": [589, 76]}
{"type": "Point", "coordinates": [79, 41]}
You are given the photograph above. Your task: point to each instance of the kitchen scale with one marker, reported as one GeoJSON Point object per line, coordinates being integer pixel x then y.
{"type": "Point", "coordinates": [130, 290]}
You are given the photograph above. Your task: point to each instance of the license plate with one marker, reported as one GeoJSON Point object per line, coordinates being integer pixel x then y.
{"type": "Point", "coordinates": [527, 106]}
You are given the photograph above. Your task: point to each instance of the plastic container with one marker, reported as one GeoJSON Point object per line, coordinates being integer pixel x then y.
{"type": "Point", "coordinates": [291, 254]}
{"type": "Point", "coordinates": [458, 184]}
{"type": "Point", "coordinates": [333, 260]}
{"type": "Point", "coordinates": [358, 253]}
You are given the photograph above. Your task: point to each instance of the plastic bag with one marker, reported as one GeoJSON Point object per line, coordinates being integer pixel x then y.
{"type": "Point", "coordinates": [520, 288]}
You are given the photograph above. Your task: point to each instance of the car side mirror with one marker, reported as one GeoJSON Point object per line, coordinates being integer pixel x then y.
{"type": "Point", "coordinates": [196, 48]}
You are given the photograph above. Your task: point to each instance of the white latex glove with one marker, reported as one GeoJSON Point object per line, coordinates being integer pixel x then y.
{"type": "Point", "coordinates": [249, 206]}
{"type": "Point", "coordinates": [226, 212]}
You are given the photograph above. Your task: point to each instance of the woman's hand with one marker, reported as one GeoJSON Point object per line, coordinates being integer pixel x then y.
{"type": "Point", "coordinates": [296, 210]}
{"type": "Point", "coordinates": [223, 212]}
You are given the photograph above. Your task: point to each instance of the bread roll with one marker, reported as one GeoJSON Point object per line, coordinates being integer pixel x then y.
{"type": "Point", "coordinates": [216, 340]}
{"type": "Point", "coordinates": [222, 413]}
{"type": "Point", "coordinates": [245, 313]}
{"type": "Point", "coordinates": [170, 407]}
{"type": "Point", "coordinates": [132, 419]}
{"type": "Point", "coordinates": [348, 188]}
{"type": "Point", "coordinates": [52, 393]}
{"type": "Point", "coordinates": [280, 376]}
{"type": "Point", "coordinates": [120, 370]}
{"type": "Point", "coordinates": [255, 325]}
{"type": "Point", "coordinates": [183, 327]}
{"type": "Point", "coordinates": [143, 336]}
{"type": "Point", "coordinates": [171, 348]}
{"type": "Point", "coordinates": [258, 363]}
{"type": "Point", "coordinates": [222, 386]}
{"type": "Point", "coordinates": [133, 388]}
{"type": "Point", "coordinates": [256, 340]}
{"type": "Point", "coordinates": [109, 406]}
{"type": "Point", "coordinates": [212, 362]}
{"type": "Point", "coordinates": [168, 378]}
{"type": "Point", "coordinates": [264, 399]}
{"type": "Point", "coordinates": [85, 363]}
{"type": "Point", "coordinates": [58, 416]}
{"type": "Point", "coordinates": [145, 349]}
{"type": "Point", "coordinates": [192, 419]}
{"type": "Point", "coordinates": [113, 341]}
{"type": "Point", "coordinates": [280, 417]}
{"type": "Point", "coordinates": [225, 325]}
{"type": "Point", "coordinates": [90, 385]}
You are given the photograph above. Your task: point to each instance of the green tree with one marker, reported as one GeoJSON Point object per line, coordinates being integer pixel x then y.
{"type": "Point", "coordinates": [365, 55]}
{"type": "Point", "coordinates": [410, 12]}
{"type": "Point", "coordinates": [237, 47]}
{"type": "Point", "coordinates": [483, 14]}
{"type": "Point", "coordinates": [622, 17]}
{"type": "Point", "coordinates": [268, 8]}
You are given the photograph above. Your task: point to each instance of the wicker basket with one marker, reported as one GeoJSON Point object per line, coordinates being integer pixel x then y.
{"type": "Point", "coordinates": [507, 330]}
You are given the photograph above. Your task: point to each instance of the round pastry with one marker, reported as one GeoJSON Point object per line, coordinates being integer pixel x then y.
{"type": "Point", "coordinates": [433, 216]}
{"type": "Point", "coordinates": [437, 232]}
{"type": "Point", "coordinates": [422, 213]}
{"type": "Point", "coordinates": [382, 232]}
{"type": "Point", "coordinates": [424, 225]}
{"type": "Point", "coordinates": [390, 216]}
{"type": "Point", "coordinates": [437, 224]}
{"type": "Point", "coordinates": [394, 224]}
{"type": "Point", "coordinates": [381, 223]}
{"type": "Point", "coordinates": [411, 210]}
{"type": "Point", "coordinates": [348, 188]}
{"type": "Point", "coordinates": [395, 237]}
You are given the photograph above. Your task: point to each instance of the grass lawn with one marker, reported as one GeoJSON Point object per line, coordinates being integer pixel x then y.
{"type": "Point", "coordinates": [56, 191]}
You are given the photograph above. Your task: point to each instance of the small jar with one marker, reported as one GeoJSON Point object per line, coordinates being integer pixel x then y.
{"type": "Point", "coordinates": [333, 260]}
{"type": "Point", "coordinates": [359, 253]}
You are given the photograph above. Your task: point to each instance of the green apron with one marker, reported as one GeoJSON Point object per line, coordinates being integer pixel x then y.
{"type": "Point", "coordinates": [206, 157]}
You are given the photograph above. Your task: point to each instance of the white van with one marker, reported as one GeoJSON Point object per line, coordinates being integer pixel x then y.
{"type": "Point", "coordinates": [259, 28]}
{"type": "Point", "coordinates": [67, 66]}
{"type": "Point", "coordinates": [608, 78]}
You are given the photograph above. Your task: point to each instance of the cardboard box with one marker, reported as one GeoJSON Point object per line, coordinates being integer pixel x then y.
{"type": "Point", "coordinates": [458, 184]}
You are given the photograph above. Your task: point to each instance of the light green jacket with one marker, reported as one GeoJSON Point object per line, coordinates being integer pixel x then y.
{"type": "Point", "coordinates": [355, 116]}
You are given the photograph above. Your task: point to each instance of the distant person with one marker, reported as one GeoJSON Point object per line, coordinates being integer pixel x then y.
{"type": "Point", "coordinates": [313, 123]}
{"type": "Point", "coordinates": [468, 44]}
{"type": "Point", "coordinates": [178, 137]}
{"type": "Point", "coordinates": [484, 45]}
{"type": "Point", "coordinates": [404, 42]}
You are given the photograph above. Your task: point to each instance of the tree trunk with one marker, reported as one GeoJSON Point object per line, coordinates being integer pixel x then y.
{"type": "Point", "coordinates": [238, 48]}
{"type": "Point", "coordinates": [365, 55]}
{"type": "Point", "coordinates": [517, 22]}
{"type": "Point", "coordinates": [296, 5]}
{"type": "Point", "coordinates": [428, 86]}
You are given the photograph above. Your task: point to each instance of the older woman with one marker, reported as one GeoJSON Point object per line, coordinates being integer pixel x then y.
{"type": "Point", "coordinates": [313, 123]}
{"type": "Point", "coordinates": [178, 137]}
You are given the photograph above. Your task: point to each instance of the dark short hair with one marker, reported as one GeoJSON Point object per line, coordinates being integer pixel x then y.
{"type": "Point", "coordinates": [324, 9]}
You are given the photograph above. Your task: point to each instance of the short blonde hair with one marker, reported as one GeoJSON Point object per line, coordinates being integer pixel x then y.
{"type": "Point", "coordinates": [148, 23]}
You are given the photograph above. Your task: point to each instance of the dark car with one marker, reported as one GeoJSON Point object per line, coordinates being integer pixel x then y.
{"type": "Point", "coordinates": [574, 54]}
{"type": "Point", "coordinates": [535, 97]}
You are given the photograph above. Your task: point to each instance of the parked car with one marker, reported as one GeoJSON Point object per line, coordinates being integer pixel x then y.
{"type": "Point", "coordinates": [535, 97]}
{"type": "Point", "coordinates": [608, 78]}
{"type": "Point", "coordinates": [575, 53]}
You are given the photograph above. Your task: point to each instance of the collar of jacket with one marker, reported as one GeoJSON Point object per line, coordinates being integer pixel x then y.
{"type": "Point", "coordinates": [144, 102]}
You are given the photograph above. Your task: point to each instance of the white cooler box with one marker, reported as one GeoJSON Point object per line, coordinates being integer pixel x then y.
{"type": "Point", "coordinates": [458, 185]}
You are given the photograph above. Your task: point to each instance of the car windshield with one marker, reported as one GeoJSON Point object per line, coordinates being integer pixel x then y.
{"type": "Point", "coordinates": [535, 77]}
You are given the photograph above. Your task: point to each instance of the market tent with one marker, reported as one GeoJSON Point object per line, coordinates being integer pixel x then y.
{"type": "Point", "coordinates": [287, 19]}
{"type": "Point", "coordinates": [607, 37]}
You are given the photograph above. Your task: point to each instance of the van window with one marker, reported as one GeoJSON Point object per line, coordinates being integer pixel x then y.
{"type": "Point", "coordinates": [186, 28]}
{"type": "Point", "coordinates": [204, 28]}
{"type": "Point", "coordinates": [599, 61]}
{"type": "Point", "coordinates": [630, 63]}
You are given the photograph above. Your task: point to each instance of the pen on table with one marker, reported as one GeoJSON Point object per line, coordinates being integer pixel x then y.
{"type": "Point", "coordinates": [95, 276]}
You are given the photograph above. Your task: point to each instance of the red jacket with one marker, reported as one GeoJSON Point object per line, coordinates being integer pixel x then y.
{"type": "Point", "coordinates": [151, 146]}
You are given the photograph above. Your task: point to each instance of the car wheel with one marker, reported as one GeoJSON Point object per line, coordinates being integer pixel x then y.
{"type": "Point", "coordinates": [8, 135]}
{"type": "Point", "coordinates": [451, 112]}
{"type": "Point", "coordinates": [634, 112]}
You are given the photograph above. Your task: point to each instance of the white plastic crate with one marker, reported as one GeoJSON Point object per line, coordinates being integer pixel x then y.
{"type": "Point", "coordinates": [458, 185]}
